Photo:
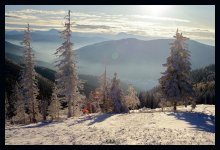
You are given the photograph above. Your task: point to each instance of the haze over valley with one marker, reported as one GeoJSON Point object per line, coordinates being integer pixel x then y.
{"type": "Point", "coordinates": [136, 60]}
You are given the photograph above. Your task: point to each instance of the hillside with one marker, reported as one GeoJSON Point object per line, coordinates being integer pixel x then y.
{"type": "Point", "coordinates": [13, 49]}
{"type": "Point", "coordinates": [137, 62]}
{"type": "Point", "coordinates": [15, 52]}
{"type": "Point", "coordinates": [134, 51]}
{"type": "Point", "coordinates": [140, 128]}
{"type": "Point", "coordinates": [54, 37]}
{"type": "Point", "coordinates": [12, 74]}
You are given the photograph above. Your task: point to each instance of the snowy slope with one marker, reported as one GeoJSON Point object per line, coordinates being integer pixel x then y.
{"type": "Point", "coordinates": [138, 127]}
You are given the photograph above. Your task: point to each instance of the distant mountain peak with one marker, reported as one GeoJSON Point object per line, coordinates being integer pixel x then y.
{"type": "Point", "coordinates": [129, 39]}
{"type": "Point", "coordinates": [53, 30]}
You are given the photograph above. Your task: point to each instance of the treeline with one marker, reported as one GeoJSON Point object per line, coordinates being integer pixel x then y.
{"type": "Point", "coordinates": [12, 75]}
{"type": "Point", "coordinates": [29, 99]}
{"type": "Point", "coordinates": [203, 81]}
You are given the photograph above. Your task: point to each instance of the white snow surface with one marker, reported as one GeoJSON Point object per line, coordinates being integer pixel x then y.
{"type": "Point", "coordinates": [149, 127]}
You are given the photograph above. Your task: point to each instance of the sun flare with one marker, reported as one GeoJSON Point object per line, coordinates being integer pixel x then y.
{"type": "Point", "coordinates": [155, 10]}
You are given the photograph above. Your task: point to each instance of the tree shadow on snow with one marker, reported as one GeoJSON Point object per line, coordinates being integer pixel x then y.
{"type": "Point", "coordinates": [199, 121]}
{"type": "Point", "coordinates": [101, 118]}
{"type": "Point", "coordinates": [42, 124]}
{"type": "Point", "coordinates": [81, 120]}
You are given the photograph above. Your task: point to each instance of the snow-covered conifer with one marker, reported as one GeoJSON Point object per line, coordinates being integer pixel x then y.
{"type": "Point", "coordinates": [67, 79]}
{"type": "Point", "coordinates": [104, 88]}
{"type": "Point", "coordinates": [117, 96]}
{"type": "Point", "coordinates": [20, 115]}
{"type": "Point", "coordinates": [131, 99]}
{"type": "Point", "coordinates": [55, 106]}
{"type": "Point", "coordinates": [175, 82]}
{"type": "Point", "coordinates": [28, 80]}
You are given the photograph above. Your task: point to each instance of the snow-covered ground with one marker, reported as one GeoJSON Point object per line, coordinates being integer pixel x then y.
{"type": "Point", "coordinates": [137, 127]}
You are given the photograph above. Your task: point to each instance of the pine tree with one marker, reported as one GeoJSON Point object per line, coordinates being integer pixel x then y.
{"type": "Point", "coordinates": [78, 101]}
{"type": "Point", "coordinates": [132, 101]}
{"type": "Point", "coordinates": [142, 99]}
{"type": "Point", "coordinates": [117, 96]}
{"type": "Point", "coordinates": [28, 80]}
{"type": "Point", "coordinates": [104, 88]}
{"type": "Point", "coordinates": [55, 105]}
{"type": "Point", "coordinates": [67, 79]}
{"type": "Point", "coordinates": [21, 116]}
{"type": "Point", "coordinates": [175, 82]}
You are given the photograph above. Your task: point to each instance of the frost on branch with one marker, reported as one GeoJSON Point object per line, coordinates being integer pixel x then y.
{"type": "Point", "coordinates": [117, 96]}
{"type": "Point", "coordinates": [20, 114]}
{"type": "Point", "coordinates": [131, 99]}
{"type": "Point", "coordinates": [104, 90]}
{"type": "Point", "coordinates": [28, 79]}
{"type": "Point", "coordinates": [175, 82]}
{"type": "Point", "coordinates": [68, 82]}
{"type": "Point", "coordinates": [55, 106]}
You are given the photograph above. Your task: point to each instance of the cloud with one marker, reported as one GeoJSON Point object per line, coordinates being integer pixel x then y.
{"type": "Point", "coordinates": [80, 26]}
{"type": "Point", "coordinates": [24, 28]}
{"type": "Point", "coordinates": [11, 16]}
{"type": "Point", "coordinates": [36, 11]}
{"type": "Point", "coordinates": [160, 18]}
{"type": "Point", "coordinates": [200, 35]}
{"type": "Point", "coordinates": [98, 22]}
{"type": "Point", "coordinates": [19, 16]}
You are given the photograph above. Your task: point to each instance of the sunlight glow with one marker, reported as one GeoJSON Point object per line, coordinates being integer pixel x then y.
{"type": "Point", "coordinates": [155, 10]}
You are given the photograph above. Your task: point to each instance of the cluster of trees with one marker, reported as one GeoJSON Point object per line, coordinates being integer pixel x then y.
{"type": "Point", "coordinates": [12, 74]}
{"type": "Point", "coordinates": [150, 99]}
{"type": "Point", "coordinates": [178, 85]}
{"type": "Point", "coordinates": [112, 96]}
{"type": "Point", "coordinates": [204, 84]}
{"type": "Point", "coordinates": [175, 84]}
{"type": "Point", "coordinates": [28, 107]}
{"type": "Point", "coordinates": [203, 81]}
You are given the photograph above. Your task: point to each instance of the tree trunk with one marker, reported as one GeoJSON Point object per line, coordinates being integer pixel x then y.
{"type": "Point", "coordinates": [185, 103]}
{"type": "Point", "coordinates": [33, 111]}
{"type": "Point", "coordinates": [58, 114]}
{"type": "Point", "coordinates": [174, 107]}
{"type": "Point", "coordinates": [24, 118]}
{"type": "Point", "coordinates": [45, 118]}
{"type": "Point", "coordinates": [69, 107]}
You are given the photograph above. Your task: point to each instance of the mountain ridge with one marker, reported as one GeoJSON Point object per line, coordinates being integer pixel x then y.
{"type": "Point", "coordinates": [137, 62]}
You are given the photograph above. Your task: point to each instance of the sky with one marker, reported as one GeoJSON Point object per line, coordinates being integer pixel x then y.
{"type": "Point", "coordinates": [161, 21]}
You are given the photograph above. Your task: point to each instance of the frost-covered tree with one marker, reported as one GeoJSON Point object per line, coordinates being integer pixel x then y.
{"type": "Point", "coordinates": [20, 114]}
{"type": "Point", "coordinates": [55, 106]}
{"type": "Point", "coordinates": [104, 88]}
{"type": "Point", "coordinates": [28, 80]}
{"type": "Point", "coordinates": [132, 101]}
{"type": "Point", "coordinates": [117, 96]}
{"type": "Point", "coordinates": [67, 79]}
{"type": "Point", "coordinates": [175, 82]}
